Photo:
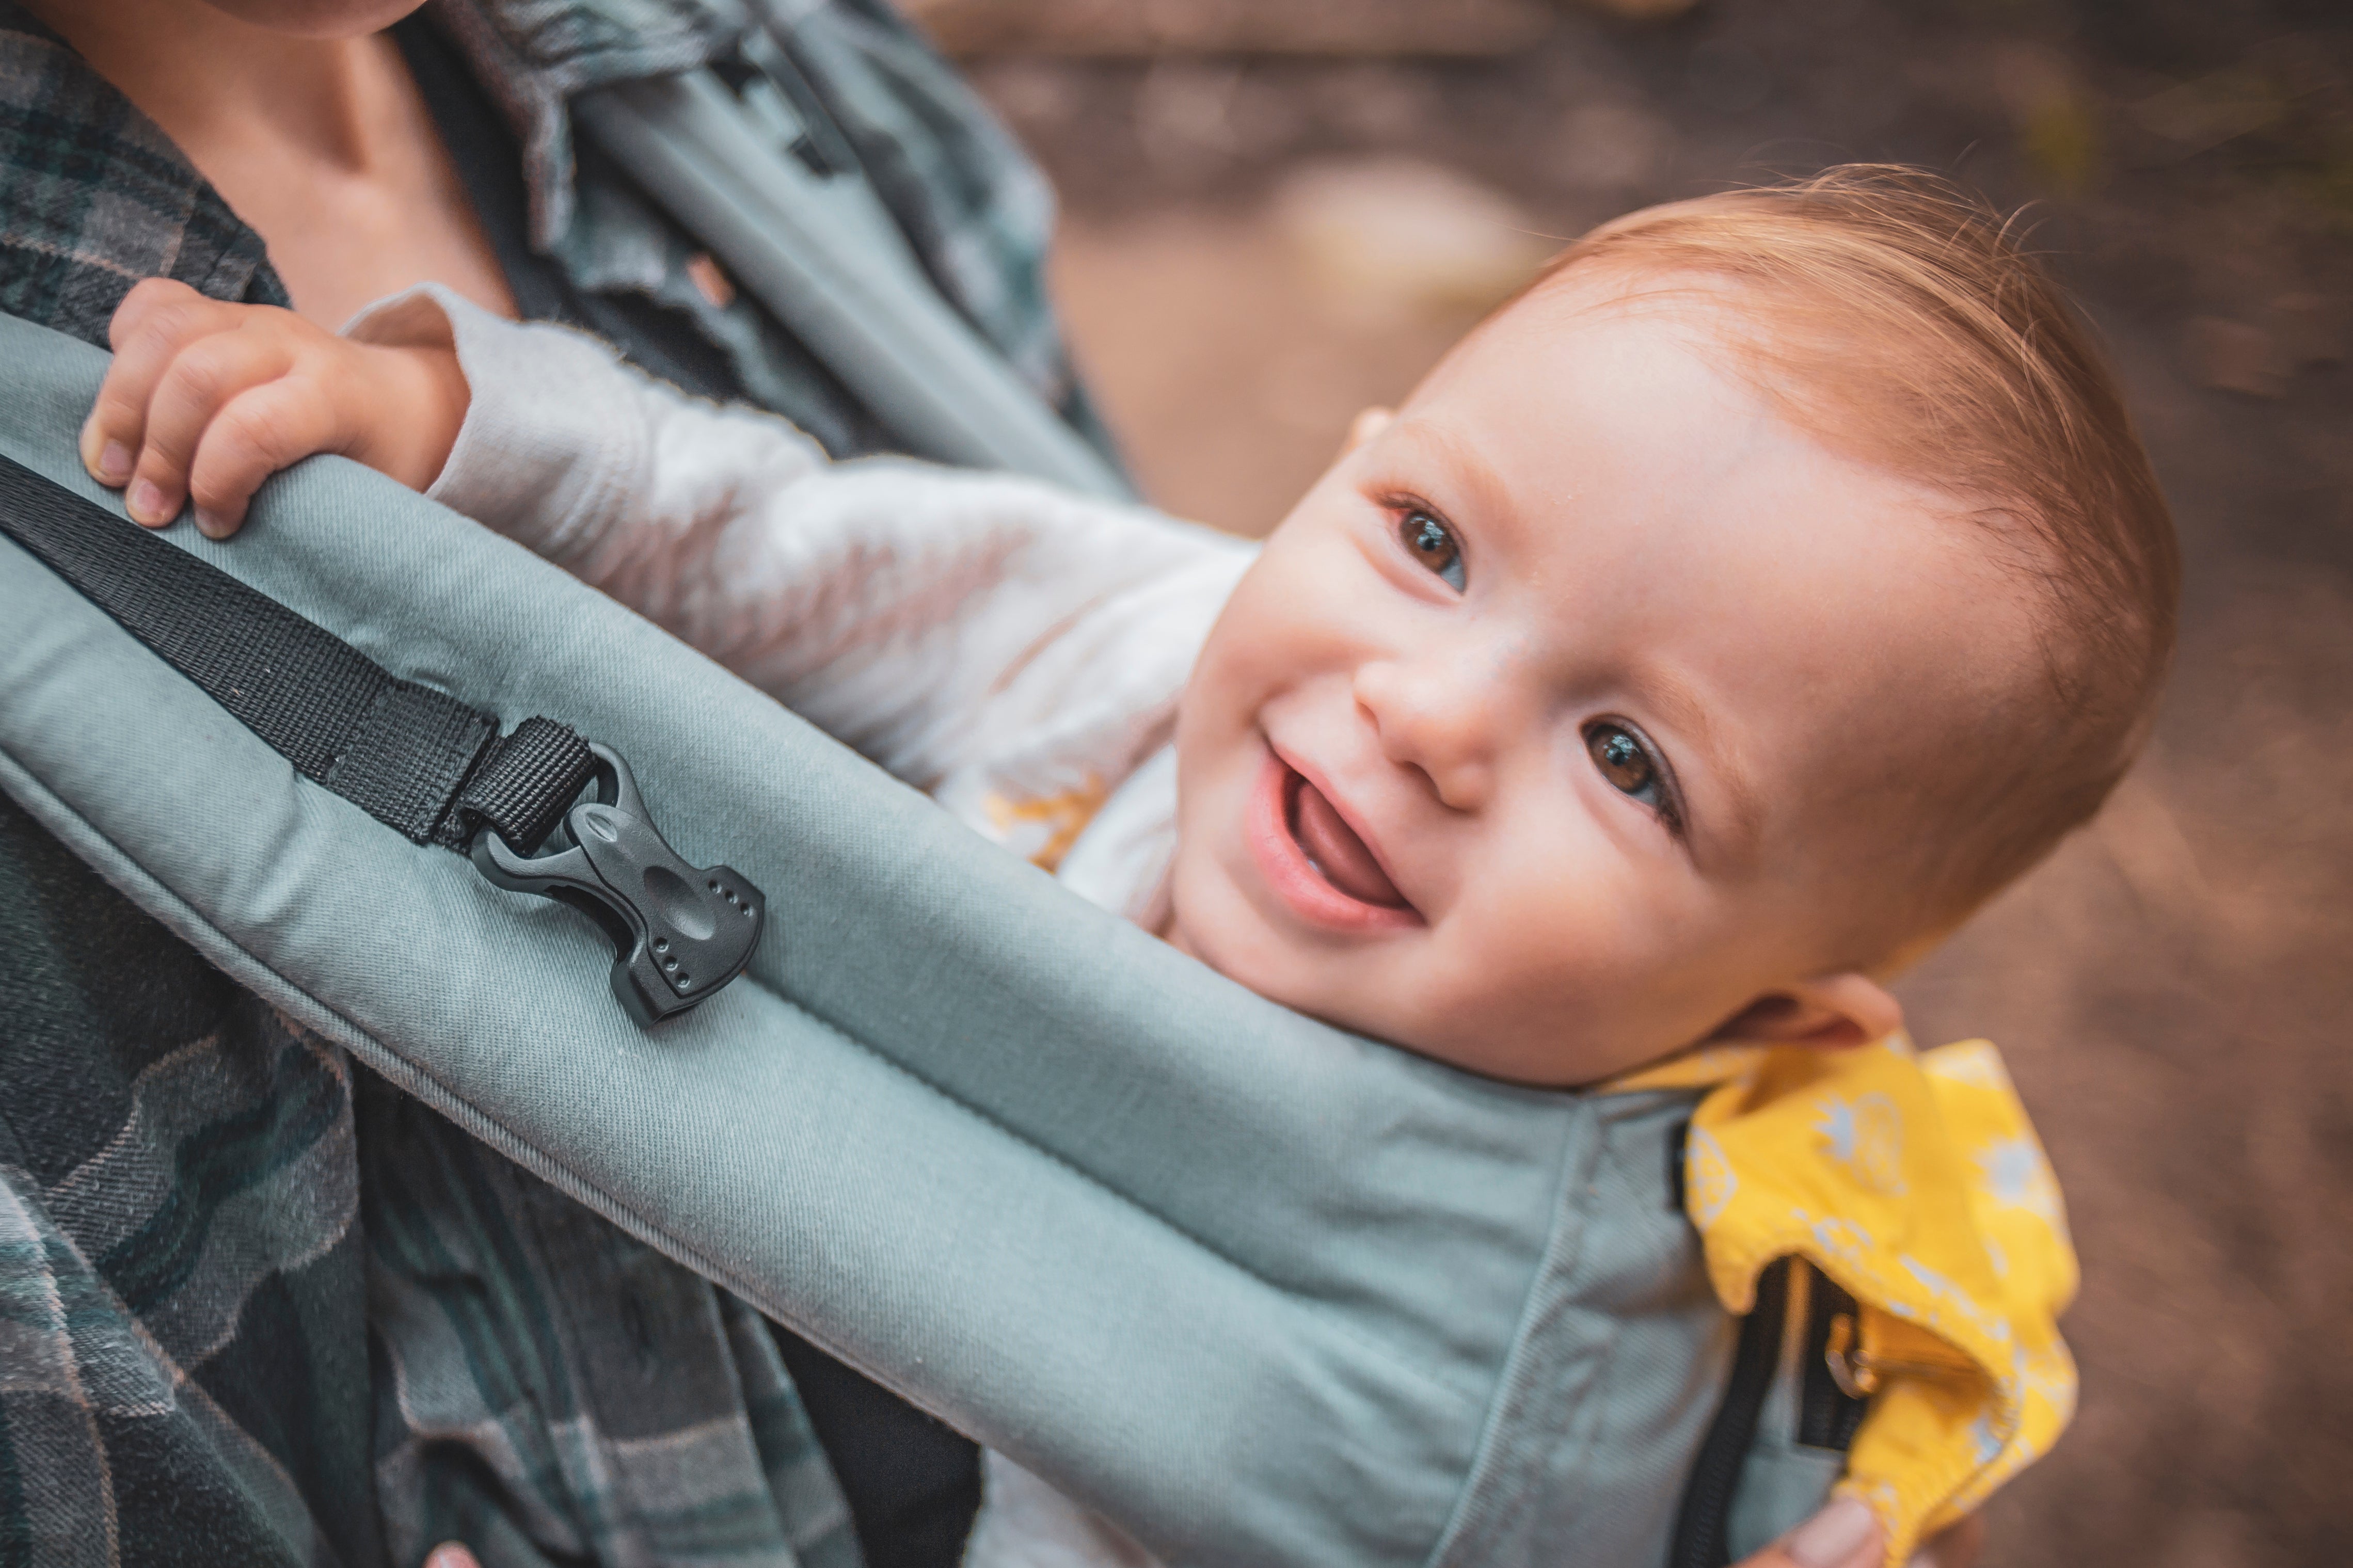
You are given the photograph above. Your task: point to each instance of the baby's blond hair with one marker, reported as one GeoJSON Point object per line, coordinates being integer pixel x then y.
{"type": "Point", "coordinates": [1897, 317]}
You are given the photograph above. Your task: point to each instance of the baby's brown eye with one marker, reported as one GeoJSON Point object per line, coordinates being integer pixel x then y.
{"type": "Point", "coordinates": [1627, 760]}
{"type": "Point", "coordinates": [1432, 543]}
{"type": "Point", "coordinates": [1622, 759]}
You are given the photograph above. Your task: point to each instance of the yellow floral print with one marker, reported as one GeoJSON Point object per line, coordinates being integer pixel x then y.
{"type": "Point", "coordinates": [1054, 821]}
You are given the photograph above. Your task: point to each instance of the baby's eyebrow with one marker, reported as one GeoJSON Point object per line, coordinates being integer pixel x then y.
{"type": "Point", "coordinates": [1734, 828]}
{"type": "Point", "coordinates": [1470, 477]}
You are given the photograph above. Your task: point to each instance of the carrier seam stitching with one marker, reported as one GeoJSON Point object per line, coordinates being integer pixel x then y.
{"type": "Point", "coordinates": [1559, 1254]}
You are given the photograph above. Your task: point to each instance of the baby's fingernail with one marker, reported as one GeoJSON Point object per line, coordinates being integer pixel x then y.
{"type": "Point", "coordinates": [146, 502]}
{"type": "Point", "coordinates": [1835, 1537]}
{"type": "Point", "coordinates": [211, 524]}
{"type": "Point", "coordinates": [114, 463]}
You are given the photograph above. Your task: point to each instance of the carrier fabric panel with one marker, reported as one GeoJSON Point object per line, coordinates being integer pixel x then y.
{"type": "Point", "coordinates": [1265, 1292]}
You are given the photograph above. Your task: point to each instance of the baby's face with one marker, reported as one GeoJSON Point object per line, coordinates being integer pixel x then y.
{"type": "Point", "coordinates": [1571, 714]}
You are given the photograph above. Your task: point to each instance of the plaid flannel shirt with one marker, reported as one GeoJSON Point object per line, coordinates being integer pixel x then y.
{"type": "Point", "coordinates": [256, 1307]}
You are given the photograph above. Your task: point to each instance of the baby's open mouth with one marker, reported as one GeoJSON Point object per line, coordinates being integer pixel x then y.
{"type": "Point", "coordinates": [1333, 848]}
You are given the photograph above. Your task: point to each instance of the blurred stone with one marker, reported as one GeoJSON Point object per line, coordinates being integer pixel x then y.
{"type": "Point", "coordinates": [1302, 389]}
{"type": "Point", "coordinates": [1183, 113]}
{"type": "Point", "coordinates": [1151, 28]}
{"type": "Point", "coordinates": [2143, 836]}
{"type": "Point", "coordinates": [1639, 10]}
{"type": "Point", "coordinates": [2232, 356]}
{"type": "Point", "coordinates": [2311, 329]}
{"type": "Point", "coordinates": [2058, 119]}
{"type": "Point", "coordinates": [2060, 139]}
{"type": "Point", "coordinates": [2207, 112]}
{"type": "Point", "coordinates": [1375, 101]}
{"type": "Point", "coordinates": [1037, 95]}
{"type": "Point", "coordinates": [1390, 238]}
{"type": "Point", "coordinates": [2213, 1538]}
{"type": "Point", "coordinates": [1612, 147]}
{"type": "Point", "coordinates": [2299, 63]}
{"type": "Point", "coordinates": [1727, 78]}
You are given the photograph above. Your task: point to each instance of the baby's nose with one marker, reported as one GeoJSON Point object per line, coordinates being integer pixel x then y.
{"type": "Point", "coordinates": [1440, 718]}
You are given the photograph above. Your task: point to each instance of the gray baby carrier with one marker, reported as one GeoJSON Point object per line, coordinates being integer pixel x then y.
{"type": "Point", "coordinates": [1260, 1291]}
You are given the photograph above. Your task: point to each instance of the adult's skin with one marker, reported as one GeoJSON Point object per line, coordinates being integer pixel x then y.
{"type": "Point", "coordinates": [303, 115]}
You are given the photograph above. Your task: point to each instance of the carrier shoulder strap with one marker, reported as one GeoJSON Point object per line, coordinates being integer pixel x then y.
{"type": "Point", "coordinates": [810, 240]}
{"type": "Point", "coordinates": [415, 759]}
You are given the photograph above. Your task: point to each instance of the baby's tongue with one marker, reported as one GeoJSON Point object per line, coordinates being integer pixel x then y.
{"type": "Point", "coordinates": [1338, 853]}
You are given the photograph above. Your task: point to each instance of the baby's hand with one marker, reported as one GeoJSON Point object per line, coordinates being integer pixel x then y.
{"type": "Point", "coordinates": [206, 400]}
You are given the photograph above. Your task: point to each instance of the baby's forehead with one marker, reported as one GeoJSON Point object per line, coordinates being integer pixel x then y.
{"type": "Point", "coordinates": [1673, 367]}
{"type": "Point", "coordinates": [1789, 359]}
{"type": "Point", "coordinates": [1706, 309]}
{"type": "Point", "coordinates": [1576, 389]}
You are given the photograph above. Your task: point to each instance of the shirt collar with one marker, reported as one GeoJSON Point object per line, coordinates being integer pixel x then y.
{"type": "Point", "coordinates": [533, 55]}
{"type": "Point", "coordinates": [94, 196]}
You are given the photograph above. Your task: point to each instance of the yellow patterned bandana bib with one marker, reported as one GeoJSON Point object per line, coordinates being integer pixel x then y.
{"type": "Point", "coordinates": [1916, 1184]}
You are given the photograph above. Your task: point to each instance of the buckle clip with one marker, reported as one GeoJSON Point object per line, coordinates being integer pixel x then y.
{"type": "Point", "coordinates": [680, 931]}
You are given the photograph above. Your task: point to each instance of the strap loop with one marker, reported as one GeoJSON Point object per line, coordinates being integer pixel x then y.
{"type": "Point", "coordinates": [522, 785]}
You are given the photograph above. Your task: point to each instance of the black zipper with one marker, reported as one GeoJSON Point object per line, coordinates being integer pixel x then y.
{"type": "Point", "coordinates": [1704, 1522]}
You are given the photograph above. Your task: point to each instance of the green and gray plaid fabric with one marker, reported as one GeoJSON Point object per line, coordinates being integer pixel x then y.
{"type": "Point", "coordinates": [257, 1308]}
{"type": "Point", "coordinates": [96, 198]}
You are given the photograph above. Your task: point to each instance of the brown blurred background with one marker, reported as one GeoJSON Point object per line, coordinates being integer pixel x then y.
{"type": "Point", "coordinates": [1277, 211]}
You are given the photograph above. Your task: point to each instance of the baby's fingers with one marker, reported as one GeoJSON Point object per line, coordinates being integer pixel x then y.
{"type": "Point", "coordinates": [258, 432]}
{"type": "Point", "coordinates": [155, 320]}
{"type": "Point", "coordinates": [206, 378]}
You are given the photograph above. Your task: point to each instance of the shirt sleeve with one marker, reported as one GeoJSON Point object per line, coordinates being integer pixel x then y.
{"type": "Point", "coordinates": [916, 612]}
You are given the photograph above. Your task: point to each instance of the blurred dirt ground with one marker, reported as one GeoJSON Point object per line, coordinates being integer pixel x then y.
{"type": "Point", "coordinates": [1282, 210]}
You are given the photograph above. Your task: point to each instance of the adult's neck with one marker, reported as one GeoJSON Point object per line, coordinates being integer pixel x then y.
{"type": "Point", "coordinates": [323, 144]}
{"type": "Point", "coordinates": [220, 87]}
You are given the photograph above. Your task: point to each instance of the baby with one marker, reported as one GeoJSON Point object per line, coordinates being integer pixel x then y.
{"type": "Point", "coordinates": [1718, 625]}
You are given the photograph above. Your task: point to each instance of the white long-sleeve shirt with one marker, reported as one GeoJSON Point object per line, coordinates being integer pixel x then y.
{"type": "Point", "coordinates": [1013, 648]}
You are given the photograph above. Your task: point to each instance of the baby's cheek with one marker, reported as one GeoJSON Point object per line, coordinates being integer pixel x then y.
{"type": "Point", "coordinates": [1572, 967]}
{"type": "Point", "coordinates": [1229, 677]}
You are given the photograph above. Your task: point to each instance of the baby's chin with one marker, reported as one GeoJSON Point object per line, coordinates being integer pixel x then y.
{"type": "Point", "coordinates": [1512, 1051]}
{"type": "Point", "coordinates": [1229, 937]}
{"type": "Point", "coordinates": [1554, 1043]}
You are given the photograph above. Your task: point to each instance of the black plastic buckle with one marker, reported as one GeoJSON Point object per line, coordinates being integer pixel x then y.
{"type": "Point", "coordinates": [680, 932]}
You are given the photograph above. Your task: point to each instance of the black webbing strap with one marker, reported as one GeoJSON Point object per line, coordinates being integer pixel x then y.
{"type": "Point", "coordinates": [413, 758]}
{"type": "Point", "coordinates": [1702, 1537]}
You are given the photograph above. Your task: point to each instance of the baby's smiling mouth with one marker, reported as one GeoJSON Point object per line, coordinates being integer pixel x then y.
{"type": "Point", "coordinates": [1333, 848]}
{"type": "Point", "coordinates": [1311, 859]}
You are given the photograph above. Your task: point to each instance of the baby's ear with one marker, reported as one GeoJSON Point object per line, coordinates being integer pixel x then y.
{"type": "Point", "coordinates": [1368, 423]}
{"type": "Point", "coordinates": [1831, 1012]}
